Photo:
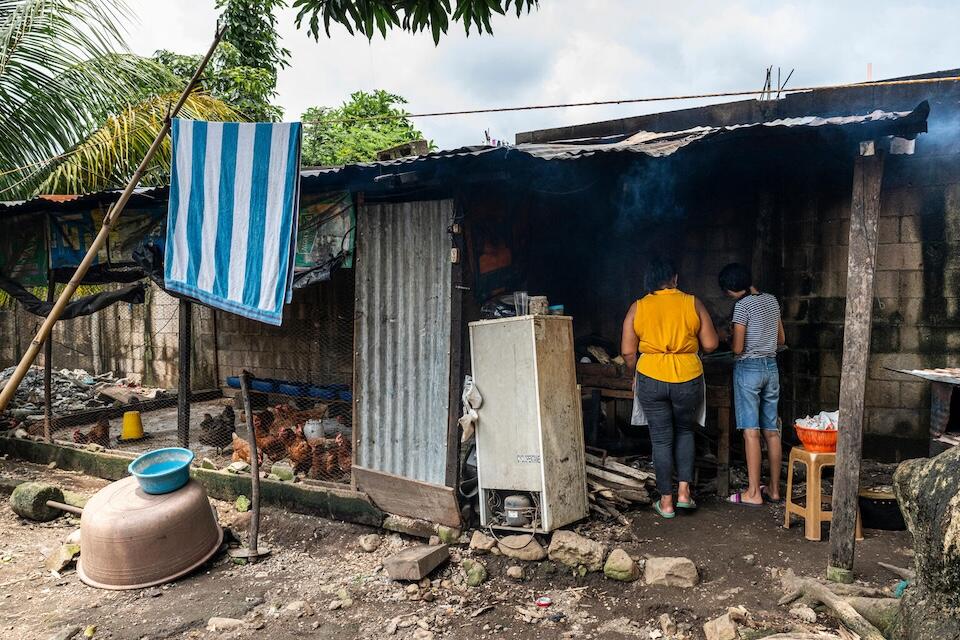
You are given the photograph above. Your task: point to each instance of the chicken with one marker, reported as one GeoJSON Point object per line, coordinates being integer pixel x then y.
{"type": "Point", "coordinates": [268, 444]}
{"type": "Point", "coordinates": [99, 434]}
{"type": "Point", "coordinates": [316, 462]}
{"type": "Point", "coordinates": [298, 449]}
{"type": "Point", "coordinates": [241, 450]}
{"type": "Point", "coordinates": [284, 416]}
{"type": "Point", "coordinates": [344, 450]}
{"type": "Point", "coordinates": [216, 432]}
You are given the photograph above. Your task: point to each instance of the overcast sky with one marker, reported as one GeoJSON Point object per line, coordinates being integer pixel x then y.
{"type": "Point", "coordinates": [582, 50]}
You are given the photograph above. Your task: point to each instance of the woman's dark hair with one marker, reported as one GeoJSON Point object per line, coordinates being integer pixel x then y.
{"type": "Point", "coordinates": [735, 277]}
{"type": "Point", "coordinates": [658, 273]}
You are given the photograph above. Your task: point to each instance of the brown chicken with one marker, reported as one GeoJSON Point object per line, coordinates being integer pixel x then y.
{"type": "Point", "coordinates": [344, 451]}
{"type": "Point", "coordinates": [298, 449]}
{"type": "Point", "coordinates": [241, 450]}
{"type": "Point", "coordinates": [284, 416]}
{"type": "Point", "coordinates": [99, 434]}
{"type": "Point", "coordinates": [268, 444]}
{"type": "Point", "coordinates": [316, 462]}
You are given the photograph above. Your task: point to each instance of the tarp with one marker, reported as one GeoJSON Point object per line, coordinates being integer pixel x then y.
{"type": "Point", "coordinates": [134, 294]}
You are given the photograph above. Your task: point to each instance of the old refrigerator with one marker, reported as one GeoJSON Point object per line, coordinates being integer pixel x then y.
{"type": "Point", "coordinates": [530, 428]}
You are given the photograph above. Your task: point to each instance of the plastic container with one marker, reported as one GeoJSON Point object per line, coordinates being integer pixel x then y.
{"type": "Point", "coordinates": [233, 382]}
{"type": "Point", "coordinates": [816, 440]}
{"type": "Point", "coordinates": [132, 426]}
{"type": "Point", "coordinates": [346, 396]}
{"type": "Point", "coordinates": [263, 386]}
{"type": "Point", "coordinates": [324, 393]}
{"type": "Point", "coordinates": [163, 470]}
{"type": "Point", "coordinates": [290, 389]}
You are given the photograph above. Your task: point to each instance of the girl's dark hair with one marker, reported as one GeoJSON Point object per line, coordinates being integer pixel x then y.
{"type": "Point", "coordinates": [735, 277]}
{"type": "Point", "coordinates": [659, 272]}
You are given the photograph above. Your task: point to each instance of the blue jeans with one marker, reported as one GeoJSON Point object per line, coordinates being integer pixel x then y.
{"type": "Point", "coordinates": [756, 393]}
{"type": "Point", "coordinates": [671, 411]}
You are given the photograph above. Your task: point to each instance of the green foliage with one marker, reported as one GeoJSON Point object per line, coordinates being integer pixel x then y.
{"type": "Point", "coordinates": [369, 16]}
{"type": "Point", "coordinates": [355, 131]}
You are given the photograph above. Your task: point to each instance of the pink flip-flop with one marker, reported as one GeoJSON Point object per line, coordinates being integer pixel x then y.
{"type": "Point", "coordinates": [737, 498]}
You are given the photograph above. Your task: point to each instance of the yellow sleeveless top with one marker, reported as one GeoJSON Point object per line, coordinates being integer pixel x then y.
{"type": "Point", "coordinates": [667, 324]}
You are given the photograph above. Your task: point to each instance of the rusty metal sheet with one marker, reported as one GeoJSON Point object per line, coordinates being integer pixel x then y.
{"type": "Point", "coordinates": [948, 375]}
{"type": "Point", "coordinates": [403, 275]}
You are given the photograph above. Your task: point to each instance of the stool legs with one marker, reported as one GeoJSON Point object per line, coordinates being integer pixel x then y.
{"type": "Point", "coordinates": [789, 496]}
{"type": "Point", "coordinates": [812, 517]}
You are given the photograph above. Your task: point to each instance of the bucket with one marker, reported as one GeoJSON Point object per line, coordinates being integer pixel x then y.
{"type": "Point", "coordinates": [132, 426]}
{"type": "Point", "coordinates": [163, 470]}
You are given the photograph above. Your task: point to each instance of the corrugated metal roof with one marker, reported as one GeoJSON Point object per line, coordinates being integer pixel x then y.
{"type": "Point", "coordinates": [141, 196]}
{"type": "Point", "coordinates": [949, 375]}
{"type": "Point", "coordinates": [657, 145]}
{"type": "Point", "coordinates": [403, 277]}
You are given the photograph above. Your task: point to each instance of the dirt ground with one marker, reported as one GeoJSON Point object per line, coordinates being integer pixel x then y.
{"type": "Point", "coordinates": [318, 583]}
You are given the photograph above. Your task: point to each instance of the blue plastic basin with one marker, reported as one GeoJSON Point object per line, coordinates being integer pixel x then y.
{"type": "Point", "coordinates": [233, 382]}
{"type": "Point", "coordinates": [162, 470]}
{"type": "Point", "coordinates": [263, 386]}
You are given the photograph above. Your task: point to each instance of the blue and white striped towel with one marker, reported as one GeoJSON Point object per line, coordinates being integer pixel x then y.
{"type": "Point", "coordinates": [232, 222]}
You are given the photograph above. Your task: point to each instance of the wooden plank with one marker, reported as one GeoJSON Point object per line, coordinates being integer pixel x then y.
{"type": "Point", "coordinates": [612, 477]}
{"type": "Point", "coordinates": [411, 498]}
{"type": "Point", "coordinates": [416, 563]}
{"type": "Point", "coordinates": [861, 261]}
{"type": "Point", "coordinates": [616, 467]}
{"type": "Point", "coordinates": [455, 382]}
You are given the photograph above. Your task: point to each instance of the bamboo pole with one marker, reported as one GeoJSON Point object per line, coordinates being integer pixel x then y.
{"type": "Point", "coordinates": [113, 214]}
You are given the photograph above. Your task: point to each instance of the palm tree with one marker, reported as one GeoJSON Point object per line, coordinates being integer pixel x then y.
{"type": "Point", "coordinates": [77, 111]}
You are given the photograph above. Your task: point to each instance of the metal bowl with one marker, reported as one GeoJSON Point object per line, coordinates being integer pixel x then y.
{"type": "Point", "coordinates": [131, 539]}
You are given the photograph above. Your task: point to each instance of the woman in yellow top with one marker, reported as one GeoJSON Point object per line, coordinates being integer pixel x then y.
{"type": "Point", "coordinates": [669, 328]}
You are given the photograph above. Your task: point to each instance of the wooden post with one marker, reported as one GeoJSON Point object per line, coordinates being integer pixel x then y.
{"type": "Point", "coordinates": [861, 259]}
{"type": "Point", "coordinates": [8, 391]}
{"type": "Point", "coordinates": [183, 373]}
{"type": "Point", "coordinates": [48, 369]}
{"type": "Point", "coordinates": [254, 532]}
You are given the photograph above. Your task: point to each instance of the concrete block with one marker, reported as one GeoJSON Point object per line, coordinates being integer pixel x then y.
{"type": "Point", "coordinates": [910, 229]}
{"type": "Point", "coordinates": [829, 393]}
{"type": "Point", "coordinates": [889, 230]}
{"type": "Point", "coordinates": [899, 256]}
{"type": "Point", "coordinates": [911, 283]}
{"type": "Point", "coordinates": [417, 562]}
{"type": "Point", "coordinates": [886, 284]}
{"type": "Point", "coordinates": [881, 364]}
{"type": "Point", "coordinates": [882, 393]}
{"type": "Point", "coordinates": [901, 423]}
{"type": "Point", "coordinates": [909, 339]}
{"type": "Point", "coordinates": [914, 395]}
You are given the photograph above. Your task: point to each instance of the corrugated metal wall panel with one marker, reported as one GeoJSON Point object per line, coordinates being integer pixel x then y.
{"type": "Point", "coordinates": [403, 276]}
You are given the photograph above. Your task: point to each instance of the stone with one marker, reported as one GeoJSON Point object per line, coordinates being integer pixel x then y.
{"type": "Point", "coordinates": [242, 503]}
{"type": "Point", "coordinates": [667, 625]}
{"type": "Point", "coordinates": [434, 540]}
{"type": "Point", "coordinates": [448, 535]}
{"type": "Point", "coordinates": [481, 542]}
{"type": "Point", "coordinates": [223, 624]}
{"type": "Point", "coordinates": [73, 538]}
{"type": "Point", "coordinates": [805, 613]}
{"type": "Point", "coordinates": [620, 566]}
{"type": "Point", "coordinates": [750, 559]}
{"type": "Point", "coordinates": [207, 463]}
{"type": "Point", "coordinates": [238, 467]}
{"type": "Point", "coordinates": [299, 608]}
{"type": "Point", "coordinates": [926, 491]}
{"type": "Point", "coordinates": [283, 471]}
{"type": "Point", "coordinates": [422, 634]}
{"type": "Point", "coordinates": [671, 572]}
{"type": "Point", "coordinates": [722, 628]}
{"type": "Point", "coordinates": [515, 572]}
{"type": "Point", "coordinates": [475, 571]}
{"type": "Point", "coordinates": [333, 605]}
{"type": "Point", "coordinates": [62, 557]}
{"type": "Point", "coordinates": [574, 550]}
{"type": "Point", "coordinates": [90, 631]}
{"type": "Point", "coordinates": [522, 547]}
{"type": "Point", "coordinates": [369, 542]}
{"type": "Point", "coordinates": [29, 500]}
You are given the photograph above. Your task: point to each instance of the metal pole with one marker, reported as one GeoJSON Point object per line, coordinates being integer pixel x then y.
{"type": "Point", "coordinates": [183, 373]}
{"type": "Point", "coordinates": [48, 346]}
{"type": "Point", "coordinates": [109, 220]}
{"type": "Point", "coordinates": [254, 465]}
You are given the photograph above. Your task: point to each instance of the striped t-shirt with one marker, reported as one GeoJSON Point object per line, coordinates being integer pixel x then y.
{"type": "Point", "coordinates": [760, 314]}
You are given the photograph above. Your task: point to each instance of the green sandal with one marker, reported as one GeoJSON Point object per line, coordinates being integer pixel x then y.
{"type": "Point", "coordinates": [656, 507]}
{"type": "Point", "coordinates": [690, 506]}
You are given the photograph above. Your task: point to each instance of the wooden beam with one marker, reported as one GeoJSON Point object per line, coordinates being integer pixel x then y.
{"type": "Point", "coordinates": [183, 373]}
{"type": "Point", "coordinates": [861, 263]}
{"type": "Point", "coordinates": [408, 497]}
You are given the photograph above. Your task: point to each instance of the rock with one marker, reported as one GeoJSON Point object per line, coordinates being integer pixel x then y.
{"type": "Point", "coordinates": [805, 613]}
{"type": "Point", "coordinates": [207, 463]}
{"type": "Point", "coordinates": [620, 566]}
{"type": "Point", "coordinates": [522, 547]}
{"type": "Point", "coordinates": [369, 543]}
{"type": "Point", "coordinates": [223, 624]}
{"type": "Point", "coordinates": [93, 447]}
{"type": "Point", "coordinates": [750, 559]}
{"type": "Point", "coordinates": [242, 503]}
{"type": "Point", "coordinates": [448, 535]}
{"type": "Point", "coordinates": [671, 572]}
{"type": "Point", "coordinates": [413, 589]}
{"type": "Point", "coordinates": [283, 471]}
{"type": "Point", "coordinates": [476, 572]}
{"type": "Point", "coordinates": [434, 540]}
{"type": "Point", "coordinates": [574, 550]}
{"type": "Point", "coordinates": [927, 494]}
{"type": "Point", "coordinates": [422, 634]}
{"type": "Point", "coordinates": [90, 631]}
{"type": "Point", "coordinates": [667, 625]}
{"type": "Point", "coordinates": [392, 626]}
{"type": "Point", "coordinates": [333, 605]}
{"type": "Point", "coordinates": [238, 467]}
{"type": "Point", "coordinates": [62, 557]}
{"type": "Point", "coordinates": [299, 608]}
{"type": "Point", "coordinates": [66, 633]}
{"type": "Point", "coordinates": [722, 628]}
{"type": "Point", "coordinates": [29, 500]}
{"type": "Point", "coordinates": [515, 572]}
{"type": "Point", "coordinates": [73, 538]}
{"type": "Point", "coordinates": [408, 526]}
{"type": "Point", "coordinates": [481, 542]}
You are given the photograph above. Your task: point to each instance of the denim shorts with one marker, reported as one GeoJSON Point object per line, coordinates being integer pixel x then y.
{"type": "Point", "coordinates": [756, 393]}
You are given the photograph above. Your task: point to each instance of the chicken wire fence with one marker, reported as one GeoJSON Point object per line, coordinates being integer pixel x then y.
{"type": "Point", "coordinates": [301, 392]}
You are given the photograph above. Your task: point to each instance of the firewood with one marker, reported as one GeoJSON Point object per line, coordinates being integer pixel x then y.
{"type": "Point", "coordinates": [906, 574]}
{"type": "Point", "coordinates": [839, 607]}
